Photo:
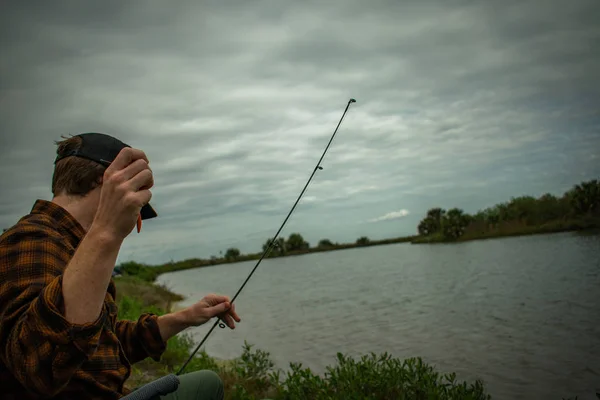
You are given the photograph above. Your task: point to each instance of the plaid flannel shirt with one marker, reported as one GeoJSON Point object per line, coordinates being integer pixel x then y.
{"type": "Point", "coordinates": [42, 355]}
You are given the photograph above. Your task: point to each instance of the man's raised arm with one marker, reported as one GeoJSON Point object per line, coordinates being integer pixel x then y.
{"type": "Point", "coordinates": [52, 317]}
{"type": "Point", "coordinates": [125, 190]}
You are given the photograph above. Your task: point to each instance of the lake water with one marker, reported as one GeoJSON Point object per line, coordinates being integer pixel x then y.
{"type": "Point", "coordinates": [523, 314]}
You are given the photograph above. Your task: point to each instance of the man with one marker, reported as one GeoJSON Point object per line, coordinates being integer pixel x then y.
{"type": "Point", "coordinates": [59, 333]}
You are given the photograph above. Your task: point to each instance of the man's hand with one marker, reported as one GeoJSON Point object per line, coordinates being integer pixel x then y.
{"type": "Point", "coordinates": [125, 190]}
{"type": "Point", "coordinates": [212, 306]}
{"type": "Point", "coordinates": [197, 314]}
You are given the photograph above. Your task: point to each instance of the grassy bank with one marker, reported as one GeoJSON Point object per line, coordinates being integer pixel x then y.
{"type": "Point", "coordinates": [254, 376]}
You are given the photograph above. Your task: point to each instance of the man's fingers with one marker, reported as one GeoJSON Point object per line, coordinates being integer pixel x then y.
{"type": "Point", "coordinates": [126, 156]}
{"type": "Point", "coordinates": [228, 320]}
{"type": "Point", "coordinates": [143, 180]}
{"type": "Point", "coordinates": [142, 197]}
{"type": "Point", "coordinates": [234, 314]}
{"type": "Point", "coordinates": [134, 169]}
{"type": "Point", "coordinates": [214, 299]}
{"type": "Point", "coordinates": [218, 309]}
{"type": "Point", "coordinates": [221, 307]}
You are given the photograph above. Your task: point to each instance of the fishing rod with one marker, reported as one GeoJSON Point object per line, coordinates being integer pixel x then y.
{"type": "Point", "coordinates": [272, 241]}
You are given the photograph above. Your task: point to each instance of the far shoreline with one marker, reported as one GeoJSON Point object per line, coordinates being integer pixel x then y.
{"type": "Point", "coordinates": [161, 269]}
{"type": "Point", "coordinates": [578, 209]}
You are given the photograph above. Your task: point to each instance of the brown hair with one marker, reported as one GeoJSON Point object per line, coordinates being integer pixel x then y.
{"type": "Point", "coordinates": [74, 176]}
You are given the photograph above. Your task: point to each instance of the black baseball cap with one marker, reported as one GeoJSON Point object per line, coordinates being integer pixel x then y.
{"type": "Point", "coordinates": [103, 149]}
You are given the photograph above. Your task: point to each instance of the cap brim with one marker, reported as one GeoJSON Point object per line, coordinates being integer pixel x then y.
{"type": "Point", "coordinates": [148, 212]}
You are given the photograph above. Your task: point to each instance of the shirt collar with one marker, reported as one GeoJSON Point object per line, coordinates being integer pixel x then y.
{"type": "Point", "coordinates": [63, 219]}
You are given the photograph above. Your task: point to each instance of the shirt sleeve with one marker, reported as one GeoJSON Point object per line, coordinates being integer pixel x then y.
{"type": "Point", "coordinates": [39, 346]}
{"type": "Point", "coordinates": [141, 339]}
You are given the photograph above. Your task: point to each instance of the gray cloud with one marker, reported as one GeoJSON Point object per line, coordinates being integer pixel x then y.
{"type": "Point", "coordinates": [459, 104]}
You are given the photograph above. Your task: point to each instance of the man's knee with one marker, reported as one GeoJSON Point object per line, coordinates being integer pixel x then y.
{"type": "Point", "coordinates": [208, 384]}
{"type": "Point", "coordinates": [210, 379]}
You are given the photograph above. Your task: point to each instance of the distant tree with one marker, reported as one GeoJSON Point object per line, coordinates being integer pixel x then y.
{"type": "Point", "coordinates": [436, 213]}
{"type": "Point", "coordinates": [585, 197]}
{"type": "Point", "coordinates": [550, 207]}
{"type": "Point", "coordinates": [492, 216]}
{"type": "Point", "coordinates": [277, 249]}
{"type": "Point", "coordinates": [232, 253]}
{"type": "Point", "coordinates": [582, 199]}
{"type": "Point", "coordinates": [432, 222]}
{"type": "Point", "coordinates": [363, 241]}
{"type": "Point", "coordinates": [454, 223]}
{"type": "Point", "coordinates": [524, 209]}
{"type": "Point", "coordinates": [325, 243]}
{"type": "Point", "coordinates": [296, 242]}
{"type": "Point", "coordinates": [505, 213]}
{"type": "Point", "coordinates": [424, 227]}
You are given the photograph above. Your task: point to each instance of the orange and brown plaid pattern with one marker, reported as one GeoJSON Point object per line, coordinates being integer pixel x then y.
{"type": "Point", "coordinates": [42, 355]}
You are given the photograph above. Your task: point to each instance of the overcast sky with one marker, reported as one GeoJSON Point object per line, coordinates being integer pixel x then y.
{"type": "Point", "coordinates": [459, 103]}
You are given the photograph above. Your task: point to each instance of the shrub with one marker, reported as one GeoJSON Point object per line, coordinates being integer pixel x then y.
{"type": "Point", "coordinates": [131, 309]}
{"type": "Point", "coordinates": [142, 271]}
{"type": "Point", "coordinates": [253, 377]}
{"type": "Point", "coordinates": [377, 377]}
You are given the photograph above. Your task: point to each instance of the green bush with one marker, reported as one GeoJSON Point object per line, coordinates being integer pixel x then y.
{"type": "Point", "coordinates": [142, 271]}
{"type": "Point", "coordinates": [252, 377]}
{"type": "Point", "coordinates": [178, 351]}
{"type": "Point", "coordinates": [377, 377]}
{"type": "Point", "coordinates": [131, 309]}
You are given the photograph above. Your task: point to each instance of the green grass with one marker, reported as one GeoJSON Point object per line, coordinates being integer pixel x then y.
{"type": "Point", "coordinates": [147, 294]}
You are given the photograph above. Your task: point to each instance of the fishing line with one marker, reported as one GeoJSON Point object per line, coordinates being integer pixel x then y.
{"type": "Point", "coordinates": [272, 241]}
